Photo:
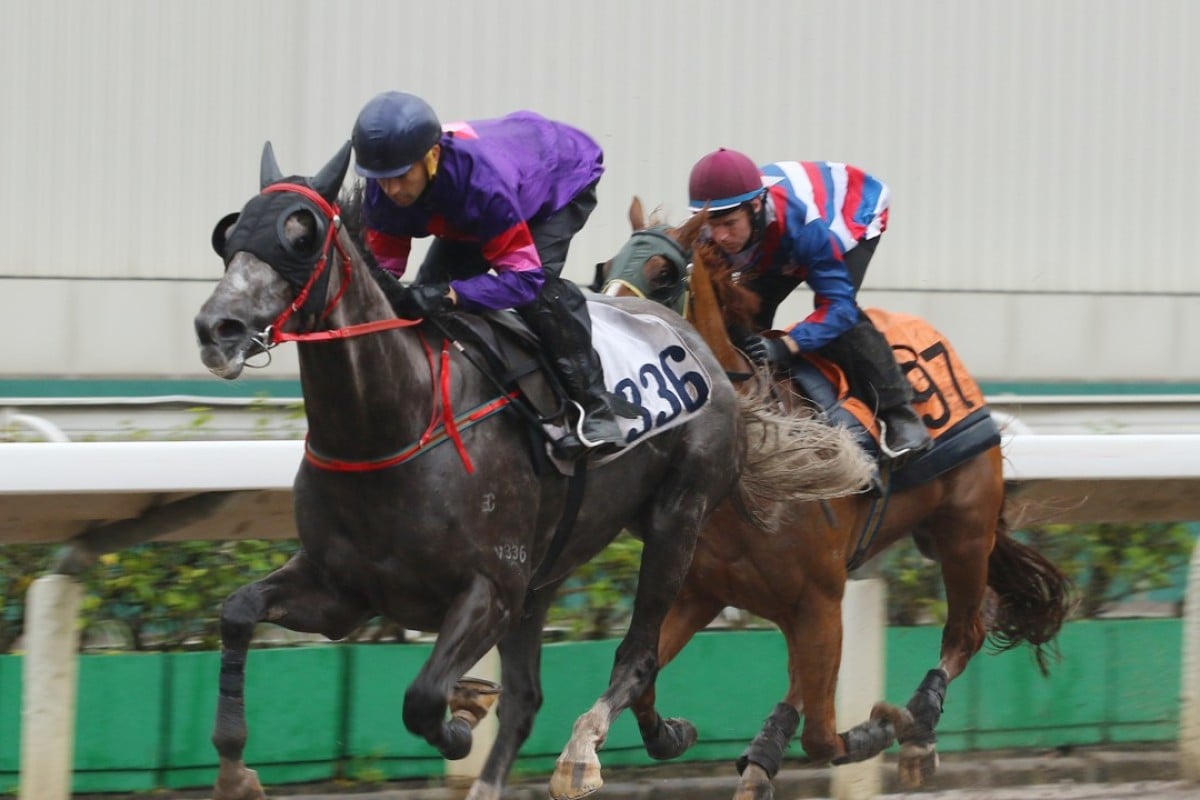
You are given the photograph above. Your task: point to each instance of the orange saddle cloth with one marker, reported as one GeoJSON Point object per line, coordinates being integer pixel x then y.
{"type": "Point", "coordinates": [946, 397]}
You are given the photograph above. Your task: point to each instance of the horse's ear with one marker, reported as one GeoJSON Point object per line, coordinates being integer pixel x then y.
{"type": "Point", "coordinates": [328, 182]}
{"type": "Point", "coordinates": [268, 171]}
{"type": "Point", "coordinates": [637, 216]}
{"type": "Point", "coordinates": [220, 234]}
{"type": "Point", "coordinates": [690, 230]}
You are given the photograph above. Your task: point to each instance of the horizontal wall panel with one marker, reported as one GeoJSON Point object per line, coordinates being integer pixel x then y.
{"type": "Point", "coordinates": [1029, 146]}
{"type": "Point", "coordinates": [143, 329]}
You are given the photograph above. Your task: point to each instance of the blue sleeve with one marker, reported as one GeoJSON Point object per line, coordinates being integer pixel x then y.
{"type": "Point", "coordinates": [835, 302]}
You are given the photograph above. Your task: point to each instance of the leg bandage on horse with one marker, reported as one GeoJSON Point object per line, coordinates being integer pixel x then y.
{"type": "Point", "coordinates": [767, 748]}
{"type": "Point", "coordinates": [866, 740]}
{"type": "Point", "coordinates": [926, 706]}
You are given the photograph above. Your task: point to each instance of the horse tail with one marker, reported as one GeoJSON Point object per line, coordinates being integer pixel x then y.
{"type": "Point", "coordinates": [793, 458]}
{"type": "Point", "coordinates": [1034, 597]}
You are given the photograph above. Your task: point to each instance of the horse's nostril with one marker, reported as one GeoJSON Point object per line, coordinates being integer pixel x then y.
{"type": "Point", "coordinates": [210, 332]}
{"type": "Point", "coordinates": [230, 329]}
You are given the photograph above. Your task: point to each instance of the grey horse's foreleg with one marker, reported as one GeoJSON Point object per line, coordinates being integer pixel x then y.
{"type": "Point", "coordinates": [294, 597]}
{"type": "Point", "coordinates": [665, 558]}
{"type": "Point", "coordinates": [669, 738]}
{"type": "Point", "coordinates": [472, 625]}
{"type": "Point", "coordinates": [520, 676]}
{"type": "Point", "coordinates": [672, 737]}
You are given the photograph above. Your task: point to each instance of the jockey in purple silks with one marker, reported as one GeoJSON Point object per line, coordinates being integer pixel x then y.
{"type": "Point", "coordinates": [818, 223]}
{"type": "Point", "coordinates": [503, 197]}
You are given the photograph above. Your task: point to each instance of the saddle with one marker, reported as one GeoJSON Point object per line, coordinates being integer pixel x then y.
{"type": "Point", "coordinates": [946, 397]}
{"type": "Point", "coordinates": [646, 362]}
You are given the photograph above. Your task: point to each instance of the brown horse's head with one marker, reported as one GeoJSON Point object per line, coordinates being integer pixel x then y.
{"type": "Point", "coordinates": [653, 264]}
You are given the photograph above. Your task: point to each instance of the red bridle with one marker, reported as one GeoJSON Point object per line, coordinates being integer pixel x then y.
{"type": "Point", "coordinates": [443, 414]}
{"type": "Point", "coordinates": [274, 334]}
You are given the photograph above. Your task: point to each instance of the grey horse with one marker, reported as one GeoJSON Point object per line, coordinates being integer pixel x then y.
{"type": "Point", "coordinates": [420, 498]}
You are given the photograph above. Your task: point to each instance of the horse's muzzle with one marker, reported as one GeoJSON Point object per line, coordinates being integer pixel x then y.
{"type": "Point", "coordinates": [224, 343]}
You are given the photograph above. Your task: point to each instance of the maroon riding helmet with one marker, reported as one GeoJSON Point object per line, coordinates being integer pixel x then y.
{"type": "Point", "coordinates": [723, 180]}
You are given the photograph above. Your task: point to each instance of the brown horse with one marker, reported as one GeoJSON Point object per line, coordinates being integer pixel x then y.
{"type": "Point", "coordinates": [795, 577]}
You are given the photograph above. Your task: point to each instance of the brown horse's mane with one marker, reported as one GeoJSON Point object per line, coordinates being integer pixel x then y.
{"type": "Point", "coordinates": [738, 303]}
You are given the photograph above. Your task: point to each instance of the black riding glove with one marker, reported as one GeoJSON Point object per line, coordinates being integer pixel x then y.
{"type": "Point", "coordinates": [423, 300]}
{"type": "Point", "coordinates": [769, 352]}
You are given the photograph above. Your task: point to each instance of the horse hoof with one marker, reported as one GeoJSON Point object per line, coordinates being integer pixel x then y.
{"type": "Point", "coordinates": [472, 698]}
{"type": "Point", "coordinates": [237, 782]}
{"type": "Point", "coordinates": [574, 780]}
{"type": "Point", "coordinates": [755, 784]}
{"type": "Point", "coordinates": [483, 791]}
{"type": "Point", "coordinates": [918, 763]}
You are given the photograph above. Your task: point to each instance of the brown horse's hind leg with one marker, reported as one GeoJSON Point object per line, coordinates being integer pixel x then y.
{"type": "Point", "coordinates": [761, 761]}
{"type": "Point", "coordinates": [670, 738]}
{"type": "Point", "coordinates": [963, 538]}
{"type": "Point", "coordinates": [294, 597]}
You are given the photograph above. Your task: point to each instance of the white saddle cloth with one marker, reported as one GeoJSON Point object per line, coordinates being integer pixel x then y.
{"type": "Point", "coordinates": [647, 362]}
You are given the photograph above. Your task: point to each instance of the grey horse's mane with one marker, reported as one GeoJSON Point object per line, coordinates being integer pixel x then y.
{"type": "Point", "coordinates": [350, 200]}
{"type": "Point", "coordinates": [814, 460]}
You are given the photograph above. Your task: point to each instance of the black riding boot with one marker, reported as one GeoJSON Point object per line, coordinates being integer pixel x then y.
{"type": "Point", "coordinates": [559, 317]}
{"type": "Point", "coordinates": [866, 355]}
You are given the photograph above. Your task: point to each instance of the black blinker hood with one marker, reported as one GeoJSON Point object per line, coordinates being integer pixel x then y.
{"type": "Point", "coordinates": [260, 229]}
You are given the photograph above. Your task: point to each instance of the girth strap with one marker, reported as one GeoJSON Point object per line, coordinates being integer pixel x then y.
{"type": "Point", "coordinates": [566, 523]}
{"type": "Point", "coordinates": [870, 529]}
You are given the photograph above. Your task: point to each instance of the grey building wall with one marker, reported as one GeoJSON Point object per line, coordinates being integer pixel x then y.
{"type": "Point", "coordinates": [1041, 156]}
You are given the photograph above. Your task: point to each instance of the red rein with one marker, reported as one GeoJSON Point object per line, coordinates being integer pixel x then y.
{"type": "Point", "coordinates": [443, 414]}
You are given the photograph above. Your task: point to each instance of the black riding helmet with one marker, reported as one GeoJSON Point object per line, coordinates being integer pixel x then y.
{"type": "Point", "coordinates": [393, 131]}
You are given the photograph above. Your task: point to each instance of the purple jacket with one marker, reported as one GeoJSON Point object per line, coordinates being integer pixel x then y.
{"type": "Point", "coordinates": [494, 177]}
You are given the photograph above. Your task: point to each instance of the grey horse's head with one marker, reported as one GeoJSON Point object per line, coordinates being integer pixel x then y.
{"type": "Point", "coordinates": [276, 252]}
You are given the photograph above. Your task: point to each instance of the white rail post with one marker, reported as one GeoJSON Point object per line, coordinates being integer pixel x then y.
{"type": "Point", "coordinates": [860, 681]}
{"type": "Point", "coordinates": [462, 773]}
{"type": "Point", "coordinates": [1189, 710]}
{"type": "Point", "coordinates": [51, 671]}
